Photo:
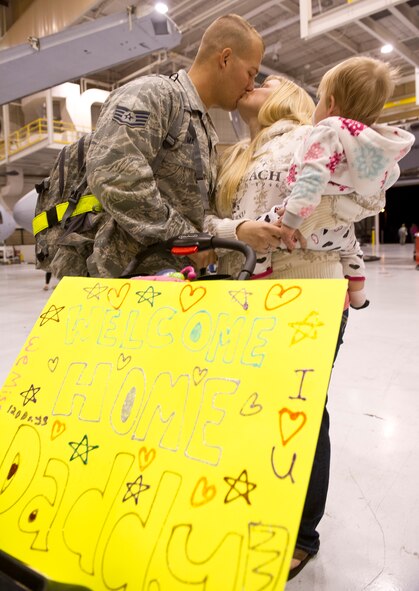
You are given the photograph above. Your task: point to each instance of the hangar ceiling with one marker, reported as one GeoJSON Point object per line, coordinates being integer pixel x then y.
{"type": "Point", "coordinates": [278, 21]}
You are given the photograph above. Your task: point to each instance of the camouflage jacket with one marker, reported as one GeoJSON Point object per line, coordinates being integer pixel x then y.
{"type": "Point", "coordinates": [141, 208]}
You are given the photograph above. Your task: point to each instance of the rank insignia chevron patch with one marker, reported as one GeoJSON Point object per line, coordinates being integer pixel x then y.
{"type": "Point", "coordinates": [125, 116]}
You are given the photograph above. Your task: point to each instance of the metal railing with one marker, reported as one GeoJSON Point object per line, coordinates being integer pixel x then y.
{"type": "Point", "coordinates": [37, 131]}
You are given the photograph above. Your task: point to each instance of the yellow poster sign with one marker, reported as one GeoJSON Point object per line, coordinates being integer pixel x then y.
{"type": "Point", "coordinates": [159, 436]}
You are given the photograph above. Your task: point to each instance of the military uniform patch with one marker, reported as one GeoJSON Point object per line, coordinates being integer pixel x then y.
{"type": "Point", "coordinates": [125, 116]}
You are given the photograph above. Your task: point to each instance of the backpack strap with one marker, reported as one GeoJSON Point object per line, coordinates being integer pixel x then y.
{"type": "Point", "coordinates": [199, 167]}
{"type": "Point", "coordinates": [79, 190]}
{"type": "Point", "coordinates": [61, 170]}
{"type": "Point", "coordinates": [172, 136]}
{"type": "Point", "coordinates": [76, 204]}
{"type": "Point", "coordinates": [55, 215]}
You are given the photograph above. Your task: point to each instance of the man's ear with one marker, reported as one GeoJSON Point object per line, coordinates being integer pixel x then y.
{"type": "Point", "coordinates": [225, 56]}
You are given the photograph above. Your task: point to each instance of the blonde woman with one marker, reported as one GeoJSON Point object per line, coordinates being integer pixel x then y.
{"type": "Point", "coordinates": [253, 173]}
{"type": "Point", "coordinates": [253, 177]}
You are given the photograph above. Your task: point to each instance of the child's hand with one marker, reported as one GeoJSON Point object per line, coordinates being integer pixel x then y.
{"type": "Point", "coordinates": [288, 236]}
{"type": "Point", "coordinates": [300, 238]}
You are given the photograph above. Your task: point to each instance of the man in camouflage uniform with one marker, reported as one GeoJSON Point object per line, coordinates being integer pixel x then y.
{"type": "Point", "coordinates": [142, 207]}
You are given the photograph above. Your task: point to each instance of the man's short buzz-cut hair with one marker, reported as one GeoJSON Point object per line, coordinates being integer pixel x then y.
{"type": "Point", "coordinates": [230, 30]}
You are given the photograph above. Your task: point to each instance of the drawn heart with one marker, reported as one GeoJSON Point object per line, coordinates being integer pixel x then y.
{"type": "Point", "coordinates": [58, 429]}
{"type": "Point", "coordinates": [116, 297]}
{"type": "Point", "coordinates": [203, 493]}
{"type": "Point", "coordinates": [199, 374]}
{"type": "Point", "coordinates": [123, 361]}
{"type": "Point", "coordinates": [145, 458]}
{"type": "Point", "coordinates": [250, 407]}
{"type": "Point", "coordinates": [31, 345]}
{"type": "Point", "coordinates": [52, 364]}
{"type": "Point", "coordinates": [290, 423]}
{"type": "Point", "coordinates": [190, 296]}
{"type": "Point", "coordinates": [279, 296]}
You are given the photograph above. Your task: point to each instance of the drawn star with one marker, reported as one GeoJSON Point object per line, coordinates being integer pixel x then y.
{"type": "Point", "coordinates": [239, 487]}
{"type": "Point", "coordinates": [242, 301]}
{"type": "Point", "coordinates": [84, 455]}
{"type": "Point", "coordinates": [95, 291]}
{"type": "Point", "coordinates": [307, 329]}
{"type": "Point", "coordinates": [134, 489]}
{"type": "Point", "coordinates": [148, 295]}
{"type": "Point", "coordinates": [29, 395]}
{"type": "Point", "coordinates": [51, 314]}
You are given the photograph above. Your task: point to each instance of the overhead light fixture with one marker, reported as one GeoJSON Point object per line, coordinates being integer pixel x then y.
{"type": "Point", "coordinates": [387, 48]}
{"type": "Point", "coordinates": [161, 7]}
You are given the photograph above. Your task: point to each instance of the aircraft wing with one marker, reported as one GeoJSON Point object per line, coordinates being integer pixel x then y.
{"type": "Point", "coordinates": [81, 50]}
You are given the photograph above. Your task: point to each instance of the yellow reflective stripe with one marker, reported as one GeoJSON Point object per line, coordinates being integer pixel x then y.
{"type": "Point", "coordinates": [39, 223]}
{"type": "Point", "coordinates": [87, 203]}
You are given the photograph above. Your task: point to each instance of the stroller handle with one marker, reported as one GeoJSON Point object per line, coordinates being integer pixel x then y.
{"type": "Point", "coordinates": [185, 244]}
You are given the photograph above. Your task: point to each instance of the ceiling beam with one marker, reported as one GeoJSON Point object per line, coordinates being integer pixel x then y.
{"type": "Point", "coordinates": [338, 17]}
{"type": "Point", "coordinates": [248, 15]}
{"type": "Point", "coordinates": [384, 36]}
{"type": "Point", "coordinates": [344, 41]}
{"type": "Point", "coordinates": [407, 16]}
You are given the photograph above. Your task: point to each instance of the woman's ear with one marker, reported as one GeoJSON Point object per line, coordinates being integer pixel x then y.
{"type": "Point", "coordinates": [225, 56]}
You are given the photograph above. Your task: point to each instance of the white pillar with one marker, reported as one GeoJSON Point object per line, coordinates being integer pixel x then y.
{"type": "Point", "coordinates": [6, 130]}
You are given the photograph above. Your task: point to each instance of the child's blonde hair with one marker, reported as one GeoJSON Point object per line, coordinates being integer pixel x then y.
{"type": "Point", "coordinates": [287, 101]}
{"type": "Point", "coordinates": [360, 86]}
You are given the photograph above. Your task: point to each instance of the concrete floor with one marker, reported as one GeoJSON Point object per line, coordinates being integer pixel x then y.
{"type": "Point", "coordinates": [370, 533]}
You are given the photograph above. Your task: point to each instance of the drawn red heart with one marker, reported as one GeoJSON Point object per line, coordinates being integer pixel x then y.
{"type": "Point", "coordinates": [190, 296]}
{"type": "Point", "coordinates": [58, 429]}
{"type": "Point", "coordinates": [203, 493]}
{"type": "Point", "coordinates": [290, 423]}
{"type": "Point", "coordinates": [145, 458]}
{"type": "Point", "coordinates": [116, 297]}
{"type": "Point", "coordinates": [279, 296]}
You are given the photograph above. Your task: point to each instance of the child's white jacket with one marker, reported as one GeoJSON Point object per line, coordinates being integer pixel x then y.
{"type": "Point", "coordinates": [342, 156]}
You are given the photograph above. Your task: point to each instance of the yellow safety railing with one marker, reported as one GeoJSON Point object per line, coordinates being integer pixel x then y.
{"type": "Point", "coordinates": [37, 131]}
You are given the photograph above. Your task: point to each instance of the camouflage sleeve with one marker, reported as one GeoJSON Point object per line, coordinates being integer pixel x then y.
{"type": "Point", "coordinates": [132, 126]}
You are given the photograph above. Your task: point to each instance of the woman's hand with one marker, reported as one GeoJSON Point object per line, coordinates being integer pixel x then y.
{"type": "Point", "coordinates": [261, 236]}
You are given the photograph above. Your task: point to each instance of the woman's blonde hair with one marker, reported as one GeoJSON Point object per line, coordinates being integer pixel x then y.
{"type": "Point", "coordinates": [360, 86]}
{"type": "Point", "coordinates": [287, 101]}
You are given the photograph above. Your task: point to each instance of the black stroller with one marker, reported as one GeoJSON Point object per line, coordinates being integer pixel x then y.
{"type": "Point", "coordinates": [187, 244]}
